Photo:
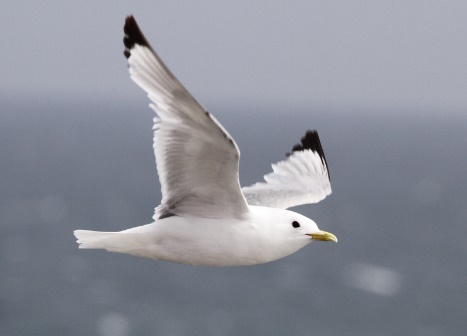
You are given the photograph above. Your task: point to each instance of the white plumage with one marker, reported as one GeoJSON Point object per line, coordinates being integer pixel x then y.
{"type": "Point", "coordinates": [205, 218]}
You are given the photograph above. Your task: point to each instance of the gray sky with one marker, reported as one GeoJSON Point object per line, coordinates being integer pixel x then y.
{"type": "Point", "coordinates": [378, 55]}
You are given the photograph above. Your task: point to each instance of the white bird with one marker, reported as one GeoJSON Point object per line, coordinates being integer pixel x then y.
{"type": "Point", "coordinates": [205, 217]}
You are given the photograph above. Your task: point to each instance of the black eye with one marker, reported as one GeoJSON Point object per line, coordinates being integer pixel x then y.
{"type": "Point", "coordinates": [295, 224]}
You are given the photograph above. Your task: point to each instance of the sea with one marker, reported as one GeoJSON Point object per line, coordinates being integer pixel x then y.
{"type": "Point", "coordinates": [398, 207]}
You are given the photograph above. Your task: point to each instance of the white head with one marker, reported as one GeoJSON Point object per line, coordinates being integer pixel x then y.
{"type": "Point", "coordinates": [285, 232]}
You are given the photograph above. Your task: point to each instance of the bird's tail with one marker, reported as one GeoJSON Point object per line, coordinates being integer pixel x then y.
{"type": "Point", "coordinates": [93, 239]}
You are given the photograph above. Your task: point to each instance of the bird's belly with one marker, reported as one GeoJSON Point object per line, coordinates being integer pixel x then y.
{"type": "Point", "coordinates": [204, 244]}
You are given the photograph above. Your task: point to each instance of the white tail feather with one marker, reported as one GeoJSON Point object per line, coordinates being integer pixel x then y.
{"type": "Point", "coordinates": [92, 239]}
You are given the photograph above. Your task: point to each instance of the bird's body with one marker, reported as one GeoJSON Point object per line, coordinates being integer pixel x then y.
{"type": "Point", "coordinates": [205, 217]}
{"type": "Point", "coordinates": [211, 242]}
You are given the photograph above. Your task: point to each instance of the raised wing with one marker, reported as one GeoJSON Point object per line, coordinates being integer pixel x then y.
{"type": "Point", "coordinates": [302, 178]}
{"type": "Point", "coordinates": [197, 159]}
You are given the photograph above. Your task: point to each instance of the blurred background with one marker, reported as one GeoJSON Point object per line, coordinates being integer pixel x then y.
{"type": "Point", "coordinates": [384, 83]}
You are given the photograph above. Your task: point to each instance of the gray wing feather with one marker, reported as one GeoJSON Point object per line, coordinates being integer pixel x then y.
{"type": "Point", "coordinates": [197, 159]}
{"type": "Point", "coordinates": [302, 178]}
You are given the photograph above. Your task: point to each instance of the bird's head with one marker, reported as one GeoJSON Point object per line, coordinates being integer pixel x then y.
{"type": "Point", "coordinates": [289, 230]}
{"type": "Point", "coordinates": [297, 226]}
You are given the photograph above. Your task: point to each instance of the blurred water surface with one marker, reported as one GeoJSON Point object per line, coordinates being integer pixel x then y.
{"type": "Point", "coordinates": [399, 209]}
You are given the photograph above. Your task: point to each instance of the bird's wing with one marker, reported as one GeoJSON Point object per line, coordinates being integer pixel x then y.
{"type": "Point", "coordinates": [197, 159]}
{"type": "Point", "coordinates": [302, 178]}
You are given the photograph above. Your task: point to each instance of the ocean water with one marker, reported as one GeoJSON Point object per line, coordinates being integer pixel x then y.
{"type": "Point", "coordinates": [399, 209]}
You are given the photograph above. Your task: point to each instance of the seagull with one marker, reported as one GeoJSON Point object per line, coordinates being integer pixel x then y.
{"type": "Point", "coordinates": [205, 218]}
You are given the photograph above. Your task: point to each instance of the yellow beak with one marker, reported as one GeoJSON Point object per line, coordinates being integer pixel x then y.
{"type": "Point", "coordinates": [323, 235]}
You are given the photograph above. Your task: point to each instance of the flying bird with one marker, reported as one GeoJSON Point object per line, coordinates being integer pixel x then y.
{"type": "Point", "coordinates": [205, 217]}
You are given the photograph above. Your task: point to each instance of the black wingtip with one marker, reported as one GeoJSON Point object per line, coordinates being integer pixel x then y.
{"type": "Point", "coordinates": [311, 141]}
{"type": "Point", "coordinates": [133, 35]}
